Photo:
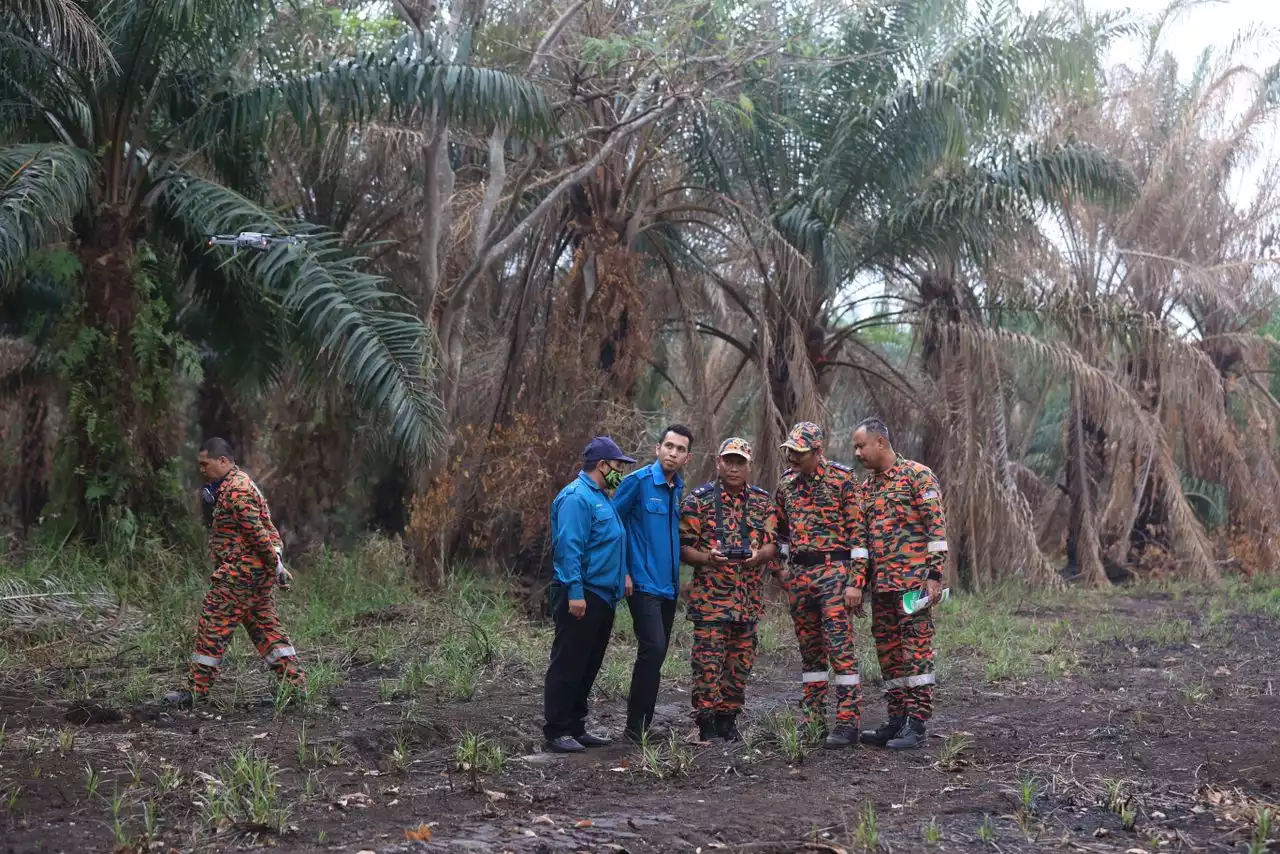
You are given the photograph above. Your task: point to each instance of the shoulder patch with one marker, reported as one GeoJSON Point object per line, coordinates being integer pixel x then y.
{"type": "Point", "coordinates": [703, 490]}
{"type": "Point", "coordinates": [758, 490]}
{"type": "Point", "coordinates": [919, 468]}
{"type": "Point", "coordinates": [839, 466]}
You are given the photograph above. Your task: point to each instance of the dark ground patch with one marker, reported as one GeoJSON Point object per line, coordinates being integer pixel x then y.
{"type": "Point", "coordinates": [1162, 734]}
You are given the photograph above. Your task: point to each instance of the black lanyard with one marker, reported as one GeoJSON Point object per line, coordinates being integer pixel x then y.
{"type": "Point", "coordinates": [744, 528]}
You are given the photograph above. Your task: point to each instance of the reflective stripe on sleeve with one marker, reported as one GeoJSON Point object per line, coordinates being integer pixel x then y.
{"type": "Point", "coordinates": [937, 545]}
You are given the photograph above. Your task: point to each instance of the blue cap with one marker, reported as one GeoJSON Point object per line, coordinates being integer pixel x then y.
{"type": "Point", "coordinates": [603, 448]}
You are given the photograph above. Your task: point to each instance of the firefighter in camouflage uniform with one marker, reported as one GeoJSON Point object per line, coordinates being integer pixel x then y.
{"type": "Point", "coordinates": [726, 535]}
{"type": "Point", "coordinates": [819, 520]}
{"type": "Point", "coordinates": [907, 540]}
{"type": "Point", "coordinates": [246, 552]}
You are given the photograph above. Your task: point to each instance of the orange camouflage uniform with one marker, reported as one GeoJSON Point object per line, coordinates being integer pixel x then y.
{"type": "Point", "coordinates": [245, 547]}
{"type": "Point", "coordinates": [820, 520]}
{"type": "Point", "coordinates": [725, 602]}
{"type": "Point", "coordinates": [907, 540]}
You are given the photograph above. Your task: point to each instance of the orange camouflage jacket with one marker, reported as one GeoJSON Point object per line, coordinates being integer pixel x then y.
{"type": "Point", "coordinates": [822, 513]}
{"type": "Point", "coordinates": [906, 529]}
{"type": "Point", "coordinates": [243, 542]}
{"type": "Point", "coordinates": [733, 592]}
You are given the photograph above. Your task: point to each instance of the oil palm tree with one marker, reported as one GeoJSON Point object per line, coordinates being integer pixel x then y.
{"type": "Point", "coordinates": [132, 131]}
{"type": "Point", "coordinates": [906, 158]}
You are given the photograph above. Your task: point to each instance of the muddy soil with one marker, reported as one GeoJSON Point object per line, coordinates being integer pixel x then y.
{"type": "Point", "coordinates": [1146, 745]}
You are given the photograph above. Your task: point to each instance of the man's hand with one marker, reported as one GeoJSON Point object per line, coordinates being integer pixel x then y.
{"type": "Point", "coordinates": [715, 557]}
{"type": "Point", "coordinates": [283, 577]}
{"type": "Point", "coordinates": [754, 559]}
{"type": "Point", "coordinates": [932, 589]}
{"type": "Point", "coordinates": [630, 587]}
{"type": "Point", "coordinates": [853, 600]}
{"type": "Point", "coordinates": [578, 607]}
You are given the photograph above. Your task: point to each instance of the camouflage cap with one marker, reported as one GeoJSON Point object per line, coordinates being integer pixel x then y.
{"type": "Point", "coordinates": [805, 436]}
{"type": "Point", "coordinates": [735, 445]}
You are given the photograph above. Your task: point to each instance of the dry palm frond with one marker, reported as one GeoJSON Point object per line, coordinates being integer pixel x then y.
{"type": "Point", "coordinates": [25, 606]}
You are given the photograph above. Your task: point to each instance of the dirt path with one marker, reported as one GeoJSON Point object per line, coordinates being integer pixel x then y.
{"type": "Point", "coordinates": [1152, 739]}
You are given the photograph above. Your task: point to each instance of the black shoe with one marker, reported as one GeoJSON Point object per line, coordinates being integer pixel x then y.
{"type": "Point", "coordinates": [565, 744]}
{"type": "Point", "coordinates": [727, 726]}
{"type": "Point", "coordinates": [632, 736]}
{"type": "Point", "coordinates": [707, 730]}
{"type": "Point", "coordinates": [844, 735]}
{"type": "Point", "coordinates": [911, 735]}
{"type": "Point", "coordinates": [586, 739]}
{"type": "Point", "coordinates": [881, 735]}
{"type": "Point", "coordinates": [182, 699]}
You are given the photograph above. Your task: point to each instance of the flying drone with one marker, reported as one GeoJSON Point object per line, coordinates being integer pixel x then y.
{"type": "Point", "coordinates": [254, 240]}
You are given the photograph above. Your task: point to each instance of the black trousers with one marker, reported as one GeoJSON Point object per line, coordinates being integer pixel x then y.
{"type": "Point", "coordinates": [576, 655]}
{"type": "Point", "coordinates": [652, 616]}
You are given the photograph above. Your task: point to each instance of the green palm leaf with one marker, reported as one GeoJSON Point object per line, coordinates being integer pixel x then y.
{"type": "Point", "coordinates": [41, 188]}
{"type": "Point", "coordinates": [344, 318]}
{"type": "Point", "coordinates": [372, 86]}
{"type": "Point", "coordinates": [61, 27]}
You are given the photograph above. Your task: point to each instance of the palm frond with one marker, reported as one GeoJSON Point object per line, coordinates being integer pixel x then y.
{"type": "Point", "coordinates": [25, 605]}
{"type": "Point", "coordinates": [63, 28]}
{"type": "Point", "coordinates": [345, 318]}
{"type": "Point", "coordinates": [41, 188]}
{"type": "Point", "coordinates": [373, 87]}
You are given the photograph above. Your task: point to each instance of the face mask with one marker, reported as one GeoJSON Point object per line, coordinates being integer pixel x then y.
{"type": "Point", "coordinates": [613, 478]}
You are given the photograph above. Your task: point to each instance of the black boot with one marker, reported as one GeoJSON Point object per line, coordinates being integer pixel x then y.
{"type": "Point", "coordinates": [844, 735]}
{"type": "Point", "coordinates": [183, 698]}
{"type": "Point", "coordinates": [707, 729]}
{"type": "Point", "coordinates": [727, 726]}
{"type": "Point", "coordinates": [911, 735]}
{"type": "Point", "coordinates": [881, 735]}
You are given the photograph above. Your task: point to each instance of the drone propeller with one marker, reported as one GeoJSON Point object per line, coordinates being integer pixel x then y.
{"type": "Point", "coordinates": [254, 240]}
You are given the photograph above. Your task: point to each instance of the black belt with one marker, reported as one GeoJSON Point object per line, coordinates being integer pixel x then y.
{"type": "Point", "coordinates": [816, 558]}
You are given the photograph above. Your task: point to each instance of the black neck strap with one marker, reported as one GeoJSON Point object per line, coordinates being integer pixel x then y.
{"type": "Point", "coordinates": [743, 528]}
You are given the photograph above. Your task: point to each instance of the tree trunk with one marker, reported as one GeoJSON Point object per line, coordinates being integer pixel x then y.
{"type": "Point", "coordinates": [1084, 457]}
{"type": "Point", "coordinates": [119, 356]}
{"type": "Point", "coordinates": [33, 461]}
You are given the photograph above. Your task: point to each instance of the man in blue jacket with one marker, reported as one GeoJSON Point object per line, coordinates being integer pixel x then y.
{"type": "Point", "coordinates": [648, 502]}
{"type": "Point", "coordinates": [588, 544]}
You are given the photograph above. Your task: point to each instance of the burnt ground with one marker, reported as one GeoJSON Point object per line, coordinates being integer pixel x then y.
{"type": "Point", "coordinates": [1127, 721]}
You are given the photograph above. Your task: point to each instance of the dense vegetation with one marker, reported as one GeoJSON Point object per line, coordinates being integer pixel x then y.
{"type": "Point", "coordinates": [529, 223]}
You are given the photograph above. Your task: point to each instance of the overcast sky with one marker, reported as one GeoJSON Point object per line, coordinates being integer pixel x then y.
{"type": "Point", "coordinates": [1204, 24]}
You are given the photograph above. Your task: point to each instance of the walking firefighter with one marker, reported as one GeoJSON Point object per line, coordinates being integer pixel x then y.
{"type": "Point", "coordinates": [820, 520]}
{"type": "Point", "coordinates": [727, 535]}
{"type": "Point", "coordinates": [907, 540]}
{"type": "Point", "coordinates": [247, 563]}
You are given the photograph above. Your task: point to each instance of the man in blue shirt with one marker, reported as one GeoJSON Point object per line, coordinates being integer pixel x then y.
{"type": "Point", "coordinates": [588, 545]}
{"type": "Point", "coordinates": [648, 502]}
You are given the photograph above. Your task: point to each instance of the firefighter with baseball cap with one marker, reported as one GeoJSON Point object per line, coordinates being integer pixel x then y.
{"type": "Point", "coordinates": [819, 518]}
{"type": "Point", "coordinates": [726, 535]}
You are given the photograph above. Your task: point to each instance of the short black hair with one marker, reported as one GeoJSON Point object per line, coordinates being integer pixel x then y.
{"type": "Point", "coordinates": [874, 424]}
{"type": "Point", "coordinates": [679, 430]}
{"type": "Point", "coordinates": [218, 447]}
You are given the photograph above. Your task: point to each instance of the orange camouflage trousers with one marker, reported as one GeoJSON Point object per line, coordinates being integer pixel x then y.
{"type": "Point", "coordinates": [722, 657]}
{"type": "Point", "coordinates": [824, 632]}
{"type": "Point", "coordinates": [227, 606]}
{"type": "Point", "coordinates": [904, 645]}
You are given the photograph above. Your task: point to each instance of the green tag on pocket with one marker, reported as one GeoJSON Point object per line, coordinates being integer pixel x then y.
{"type": "Point", "coordinates": [915, 601]}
